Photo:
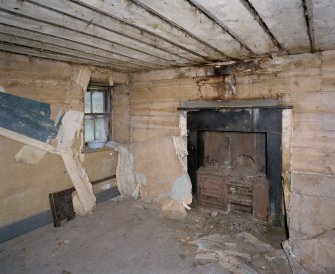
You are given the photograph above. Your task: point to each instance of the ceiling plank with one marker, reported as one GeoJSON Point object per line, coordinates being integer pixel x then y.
{"type": "Point", "coordinates": [321, 14]}
{"type": "Point", "coordinates": [236, 17]}
{"type": "Point", "coordinates": [59, 49]}
{"type": "Point", "coordinates": [286, 21]}
{"type": "Point", "coordinates": [118, 27]}
{"type": "Point", "coordinates": [195, 22]}
{"type": "Point", "coordinates": [89, 26]}
{"type": "Point", "coordinates": [45, 28]}
{"type": "Point", "coordinates": [65, 44]}
{"type": "Point", "coordinates": [51, 55]}
{"type": "Point", "coordinates": [135, 49]}
{"type": "Point", "coordinates": [136, 15]}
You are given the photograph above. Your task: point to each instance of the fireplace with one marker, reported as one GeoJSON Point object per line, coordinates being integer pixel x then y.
{"type": "Point", "coordinates": [232, 172]}
{"type": "Point", "coordinates": [235, 159]}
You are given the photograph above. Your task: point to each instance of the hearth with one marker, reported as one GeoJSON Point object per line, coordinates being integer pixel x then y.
{"type": "Point", "coordinates": [221, 136]}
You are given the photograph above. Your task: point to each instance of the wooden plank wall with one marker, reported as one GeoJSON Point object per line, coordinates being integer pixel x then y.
{"type": "Point", "coordinates": [36, 79]}
{"type": "Point", "coordinates": [121, 114]}
{"type": "Point", "coordinates": [24, 189]}
{"type": "Point", "coordinates": [305, 81]}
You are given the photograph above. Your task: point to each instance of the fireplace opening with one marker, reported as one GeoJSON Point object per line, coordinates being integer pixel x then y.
{"type": "Point", "coordinates": [232, 172]}
{"type": "Point", "coordinates": [226, 140]}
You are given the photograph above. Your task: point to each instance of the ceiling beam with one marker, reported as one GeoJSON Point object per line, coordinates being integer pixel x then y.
{"type": "Point", "coordinates": [322, 23]}
{"type": "Point", "coordinates": [194, 22]}
{"type": "Point", "coordinates": [140, 17]}
{"type": "Point", "coordinates": [285, 21]}
{"type": "Point", "coordinates": [55, 31]}
{"type": "Point", "coordinates": [35, 44]}
{"type": "Point", "coordinates": [51, 55]}
{"type": "Point", "coordinates": [135, 49]}
{"type": "Point", "coordinates": [237, 19]}
{"type": "Point", "coordinates": [308, 24]}
{"type": "Point", "coordinates": [66, 44]}
{"type": "Point", "coordinates": [86, 25]}
{"type": "Point", "coordinates": [98, 18]}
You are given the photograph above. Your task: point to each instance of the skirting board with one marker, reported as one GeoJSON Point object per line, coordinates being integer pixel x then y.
{"type": "Point", "coordinates": [31, 223]}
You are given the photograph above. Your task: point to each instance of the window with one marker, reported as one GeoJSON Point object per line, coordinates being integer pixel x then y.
{"type": "Point", "coordinates": [97, 113]}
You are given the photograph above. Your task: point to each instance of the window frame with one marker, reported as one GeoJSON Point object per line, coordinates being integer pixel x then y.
{"type": "Point", "coordinates": [107, 106]}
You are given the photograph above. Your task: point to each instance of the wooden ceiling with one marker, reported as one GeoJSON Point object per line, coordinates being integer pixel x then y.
{"type": "Point", "coordinates": [143, 35]}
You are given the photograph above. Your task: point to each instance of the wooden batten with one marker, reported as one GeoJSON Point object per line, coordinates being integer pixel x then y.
{"type": "Point", "coordinates": [27, 140]}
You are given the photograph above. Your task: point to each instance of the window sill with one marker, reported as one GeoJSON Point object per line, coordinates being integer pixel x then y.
{"type": "Point", "coordinates": [87, 150]}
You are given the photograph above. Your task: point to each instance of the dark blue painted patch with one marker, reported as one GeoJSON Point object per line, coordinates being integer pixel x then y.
{"type": "Point", "coordinates": [24, 226]}
{"type": "Point", "coordinates": [107, 194]}
{"type": "Point", "coordinates": [25, 116]}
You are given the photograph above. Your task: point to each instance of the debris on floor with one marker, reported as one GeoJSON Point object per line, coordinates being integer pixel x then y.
{"type": "Point", "coordinates": [241, 253]}
{"type": "Point", "coordinates": [203, 221]}
{"type": "Point", "coordinates": [123, 231]}
{"type": "Point", "coordinates": [173, 210]}
{"type": "Point", "coordinates": [205, 258]}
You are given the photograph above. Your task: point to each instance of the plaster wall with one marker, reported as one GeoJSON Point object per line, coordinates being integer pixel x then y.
{"type": "Point", "coordinates": [24, 189]}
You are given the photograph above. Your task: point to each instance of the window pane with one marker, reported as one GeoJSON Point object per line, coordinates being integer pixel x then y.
{"type": "Point", "coordinates": [87, 102]}
{"type": "Point", "coordinates": [98, 102]}
{"type": "Point", "coordinates": [101, 128]}
{"type": "Point", "coordinates": [89, 129]}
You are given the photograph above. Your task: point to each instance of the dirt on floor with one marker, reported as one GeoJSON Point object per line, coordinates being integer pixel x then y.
{"type": "Point", "coordinates": [203, 222]}
{"type": "Point", "coordinates": [127, 236]}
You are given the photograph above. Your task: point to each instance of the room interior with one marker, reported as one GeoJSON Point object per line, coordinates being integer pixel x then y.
{"type": "Point", "coordinates": [180, 107]}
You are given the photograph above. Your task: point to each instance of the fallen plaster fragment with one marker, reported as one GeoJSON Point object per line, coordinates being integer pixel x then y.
{"type": "Point", "coordinates": [214, 213]}
{"type": "Point", "coordinates": [128, 182]}
{"type": "Point", "coordinates": [84, 77]}
{"type": "Point", "coordinates": [244, 253]}
{"type": "Point", "coordinates": [205, 258]}
{"type": "Point", "coordinates": [68, 133]}
{"type": "Point", "coordinates": [172, 209]}
{"type": "Point", "coordinates": [246, 256]}
{"type": "Point", "coordinates": [29, 155]}
{"type": "Point", "coordinates": [234, 264]}
{"type": "Point", "coordinates": [186, 206]}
